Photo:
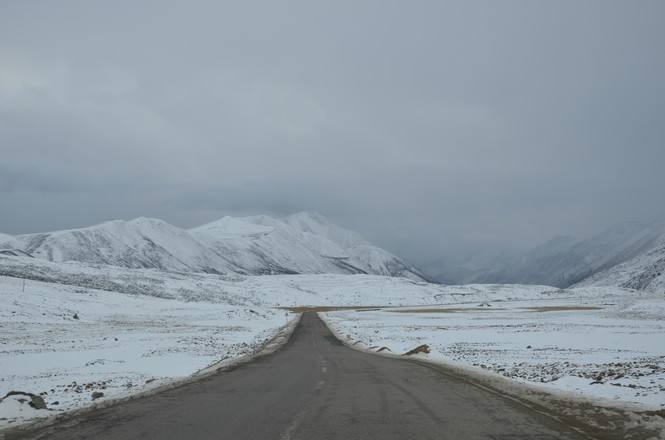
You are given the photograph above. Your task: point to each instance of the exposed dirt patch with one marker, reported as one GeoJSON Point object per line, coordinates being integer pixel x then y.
{"type": "Point", "coordinates": [561, 308]}
{"type": "Point", "coordinates": [419, 349]}
{"type": "Point", "coordinates": [315, 309]}
{"type": "Point", "coordinates": [446, 310]}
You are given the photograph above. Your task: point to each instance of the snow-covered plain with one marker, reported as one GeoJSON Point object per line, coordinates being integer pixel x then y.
{"type": "Point", "coordinates": [66, 342]}
{"type": "Point", "coordinates": [601, 343]}
{"type": "Point", "coordinates": [270, 290]}
{"type": "Point", "coordinates": [58, 333]}
{"type": "Point", "coordinates": [69, 330]}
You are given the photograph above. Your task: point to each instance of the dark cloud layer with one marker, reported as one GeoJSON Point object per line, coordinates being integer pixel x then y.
{"type": "Point", "coordinates": [431, 127]}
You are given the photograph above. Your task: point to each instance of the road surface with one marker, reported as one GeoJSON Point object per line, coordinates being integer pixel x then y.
{"type": "Point", "coordinates": [316, 388]}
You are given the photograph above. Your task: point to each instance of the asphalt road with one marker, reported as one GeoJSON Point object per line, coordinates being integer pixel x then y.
{"type": "Point", "coordinates": [316, 388]}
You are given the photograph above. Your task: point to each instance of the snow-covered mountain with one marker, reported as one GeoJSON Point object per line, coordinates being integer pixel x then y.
{"type": "Point", "coordinates": [356, 251]}
{"type": "Point", "coordinates": [464, 267]}
{"type": "Point", "coordinates": [643, 272]}
{"type": "Point", "coordinates": [301, 243]}
{"type": "Point", "coordinates": [625, 255]}
{"type": "Point", "coordinates": [564, 261]}
{"type": "Point", "coordinates": [11, 246]}
{"type": "Point", "coordinates": [138, 243]}
{"type": "Point", "coordinates": [8, 242]}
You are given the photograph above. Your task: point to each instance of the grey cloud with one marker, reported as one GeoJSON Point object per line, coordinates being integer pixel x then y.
{"type": "Point", "coordinates": [431, 127]}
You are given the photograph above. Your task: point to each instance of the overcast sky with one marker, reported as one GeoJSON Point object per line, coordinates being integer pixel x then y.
{"type": "Point", "coordinates": [429, 127]}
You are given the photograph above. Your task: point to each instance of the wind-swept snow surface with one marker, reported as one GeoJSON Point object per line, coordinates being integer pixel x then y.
{"type": "Point", "coordinates": [600, 343]}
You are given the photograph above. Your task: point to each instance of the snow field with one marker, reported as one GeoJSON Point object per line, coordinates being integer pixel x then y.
{"type": "Point", "coordinates": [605, 346]}
{"type": "Point", "coordinates": [65, 342]}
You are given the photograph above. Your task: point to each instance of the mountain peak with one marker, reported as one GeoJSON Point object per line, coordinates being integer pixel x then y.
{"type": "Point", "coordinates": [310, 215]}
{"type": "Point", "coordinates": [305, 242]}
{"type": "Point", "coordinates": [233, 227]}
{"type": "Point", "coordinates": [147, 220]}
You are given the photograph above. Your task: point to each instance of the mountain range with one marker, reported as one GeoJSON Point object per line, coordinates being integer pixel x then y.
{"type": "Point", "coordinates": [301, 243]}
{"type": "Point", "coordinates": [630, 254]}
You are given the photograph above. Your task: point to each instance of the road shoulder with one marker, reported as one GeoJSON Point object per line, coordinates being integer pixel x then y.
{"type": "Point", "coordinates": [585, 416]}
{"type": "Point", "coordinates": [280, 338]}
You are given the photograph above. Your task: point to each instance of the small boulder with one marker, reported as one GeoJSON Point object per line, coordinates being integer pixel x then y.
{"type": "Point", "coordinates": [419, 349]}
{"type": "Point", "coordinates": [37, 402]}
{"type": "Point", "coordinates": [96, 395]}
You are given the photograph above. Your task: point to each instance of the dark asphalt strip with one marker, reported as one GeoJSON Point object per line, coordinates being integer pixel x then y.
{"type": "Point", "coordinates": [316, 388]}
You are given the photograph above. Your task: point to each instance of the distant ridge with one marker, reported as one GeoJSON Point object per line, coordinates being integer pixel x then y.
{"type": "Point", "coordinates": [645, 271]}
{"type": "Point", "coordinates": [301, 243]}
{"type": "Point", "coordinates": [630, 255]}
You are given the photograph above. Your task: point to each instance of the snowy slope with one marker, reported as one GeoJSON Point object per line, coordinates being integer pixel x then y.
{"type": "Point", "coordinates": [314, 223]}
{"type": "Point", "coordinates": [563, 262]}
{"type": "Point", "coordinates": [360, 253]}
{"type": "Point", "coordinates": [265, 245]}
{"type": "Point", "coordinates": [8, 242]}
{"type": "Point", "coordinates": [139, 243]}
{"type": "Point", "coordinates": [11, 246]}
{"type": "Point", "coordinates": [302, 243]}
{"type": "Point", "coordinates": [643, 272]}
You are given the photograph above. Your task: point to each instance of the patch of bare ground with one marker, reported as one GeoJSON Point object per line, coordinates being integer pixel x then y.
{"type": "Point", "coordinates": [419, 349]}
{"type": "Point", "coordinates": [446, 310]}
{"type": "Point", "coordinates": [560, 308]}
{"type": "Point", "coordinates": [316, 309]}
